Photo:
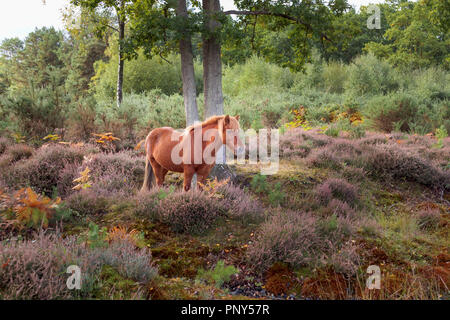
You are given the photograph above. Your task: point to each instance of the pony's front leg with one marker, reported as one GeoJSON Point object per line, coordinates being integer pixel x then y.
{"type": "Point", "coordinates": [188, 174]}
{"type": "Point", "coordinates": [203, 173]}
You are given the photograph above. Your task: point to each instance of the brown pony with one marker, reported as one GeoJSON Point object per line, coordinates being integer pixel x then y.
{"type": "Point", "coordinates": [164, 149]}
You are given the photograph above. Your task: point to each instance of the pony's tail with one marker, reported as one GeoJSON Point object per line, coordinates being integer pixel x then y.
{"type": "Point", "coordinates": [148, 176]}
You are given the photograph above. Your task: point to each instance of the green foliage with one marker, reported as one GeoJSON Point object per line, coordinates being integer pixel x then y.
{"type": "Point", "coordinates": [259, 183]}
{"type": "Point", "coordinates": [441, 134]}
{"type": "Point", "coordinates": [333, 131]}
{"type": "Point", "coordinates": [96, 236]}
{"type": "Point", "coordinates": [405, 111]}
{"type": "Point", "coordinates": [418, 35]}
{"type": "Point", "coordinates": [141, 75]}
{"type": "Point", "coordinates": [276, 195]}
{"type": "Point", "coordinates": [369, 75]}
{"type": "Point", "coordinates": [219, 275]}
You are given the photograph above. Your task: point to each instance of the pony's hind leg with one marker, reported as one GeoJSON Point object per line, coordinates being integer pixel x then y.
{"type": "Point", "coordinates": [160, 172]}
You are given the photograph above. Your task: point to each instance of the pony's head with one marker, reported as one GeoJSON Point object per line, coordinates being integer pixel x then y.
{"type": "Point", "coordinates": [229, 129]}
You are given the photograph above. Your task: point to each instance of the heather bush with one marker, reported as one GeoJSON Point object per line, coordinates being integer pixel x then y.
{"type": "Point", "coordinates": [335, 155]}
{"type": "Point", "coordinates": [130, 262]}
{"type": "Point", "coordinates": [337, 189]}
{"type": "Point", "coordinates": [87, 202]}
{"type": "Point", "coordinates": [147, 203]}
{"type": "Point", "coordinates": [115, 173]}
{"type": "Point", "coordinates": [18, 152]}
{"type": "Point", "coordinates": [373, 139]}
{"type": "Point", "coordinates": [292, 144]}
{"type": "Point", "coordinates": [317, 139]}
{"type": "Point", "coordinates": [429, 219]}
{"type": "Point", "coordinates": [386, 157]}
{"type": "Point", "coordinates": [4, 143]}
{"type": "Point", "coordinates": [302, 240]}
{"type": "Point", "coordinates": [354, 174]}
{"type": "Point", "coordinates": [193, 212]}
{"type": "Point", "coordinates": [324, 158]}
{"type": "Point", "coordinates": [160, 204]}
{"type": "Point", "coordinates": [340, 209]}
{"type": "Point", "coordinates": [240, 203]}
{"type": "Point", "coordinates": [36, 269]}
{"type": "Point", "coordinates": [391, 162]}
{"type": "Point", "coordinates": [14, 153]}
{"type": "Point", "coordinates": [52, 168]}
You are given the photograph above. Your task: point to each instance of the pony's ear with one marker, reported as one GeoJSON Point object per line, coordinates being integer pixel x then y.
{"type": "Point", "coordinates": [237, 117]}
{"type": "Point", "coordinates": [227, 120]}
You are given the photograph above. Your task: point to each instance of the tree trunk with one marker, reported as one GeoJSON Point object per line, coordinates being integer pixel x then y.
{"type": "Point", "coordinates": [187, 70]}
{"type": "Point", "coordinates": [212, 82]}
{"type": "Point", "coordinates": [212, 63]}
{"type": "Point", "coordinates": [121, 63]}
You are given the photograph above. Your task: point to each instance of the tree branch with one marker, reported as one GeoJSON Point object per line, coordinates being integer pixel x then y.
{"type": "Point", "coordinates": [274, 14]}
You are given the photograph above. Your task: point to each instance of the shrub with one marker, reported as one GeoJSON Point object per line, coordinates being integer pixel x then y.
{"type": "Point", "coordinates": [130, 262]}
{"type": "Point", "coordinates": [53, 167]}
{"type": "Point", "coordinates": [255, 72]}
{"type": "Point", "coordinates": [87, 202]}
{"type": "Point", "coordinates": [115, 173]}
{"type": "Point", "coordinates": [259, 183]}
{"type": "Point", "coordinates": [25, 208]}
{"type": "Point", "coordinates": [301, 240]}
{"type": "Point", "coordinates": [193, 212]}
{"type": "Point", "coordinates": [240, 204]}
{"type": "Point", "coordinates": [340, 209]}
{"type": "Point", "coordinates": [334, 77]}
{"type": "Point", "coordinates": [18, 152]}
{"type": "Point", "coordinates": [337, 189]}
{"type": "Point", "coordinates": [391, 162]}
{"type": "Point", "coordinates": [4, 143]}
{"type": "Point", "coordinates": [368, 75]}
{"type": "Point", "coordinates": [429, 219]}
{"type": "Point", "coordinates": [333, 131]}
{"type": "Point", "coordinates": [276, 195]}
{"type": "Point", "coordinates": [36, 269]}
{"type": "Point", "coordinates": [292, 144]}
{"type": "Point", "coordinates": [392, 112]}
{"type": "Point", "coordinates": [219, 275]}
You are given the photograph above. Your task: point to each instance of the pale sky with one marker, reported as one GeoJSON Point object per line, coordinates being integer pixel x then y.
{"type": "Point", "coordinates": [20, 17]}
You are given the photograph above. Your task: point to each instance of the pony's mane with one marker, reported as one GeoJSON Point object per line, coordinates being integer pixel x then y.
{"type": "Point", "coordinates": [210, 120]}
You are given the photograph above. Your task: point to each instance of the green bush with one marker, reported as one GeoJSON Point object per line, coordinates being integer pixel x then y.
{"type": "Point", "coordinates": [405, 111]}
{"type": "Point", "coordinates": [335, 75]}
{"type": "Point", "coordinates": [255, 72]}
{"type": "Point", "coordinates": [142, 75]}
{"type": "Point", "coordinates": [368, 75]}
{"type": "Point", "coordinates": [141, 112]}
{"type": "Point", "coordinates": [219, 275]}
